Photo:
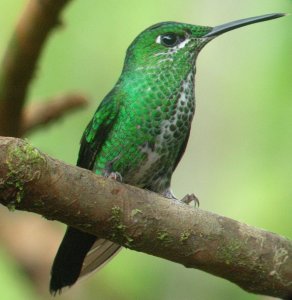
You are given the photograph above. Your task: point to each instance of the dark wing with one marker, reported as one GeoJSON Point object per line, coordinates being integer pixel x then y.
{"type": "Point", "coordinates": [81, 253]}
{"type": "Point", "coordinates": [182, 150]}
{"type": "Point", "coordinates": [97, 131]}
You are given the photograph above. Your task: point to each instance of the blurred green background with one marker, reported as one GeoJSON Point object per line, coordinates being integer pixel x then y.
{"type": "Point", "coordinates": [238, 161]}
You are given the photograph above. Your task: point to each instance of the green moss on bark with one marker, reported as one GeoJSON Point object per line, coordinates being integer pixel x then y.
{"type": "Point", "coordinates": [24, 164]}
{"type": "Point", "coordinates": [118, 229]}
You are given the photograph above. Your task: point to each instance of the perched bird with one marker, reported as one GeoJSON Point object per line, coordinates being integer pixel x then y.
{"type": "Point", "coordinates": [141, 128]}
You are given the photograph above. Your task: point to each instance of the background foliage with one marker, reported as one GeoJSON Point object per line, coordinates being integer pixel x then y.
{"type": "Point", "coordinates": [238, 161]}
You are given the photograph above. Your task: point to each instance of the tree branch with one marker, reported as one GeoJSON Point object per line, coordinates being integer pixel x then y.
{"type": "Point", "coordinates": [256, 260]}
{"type": "Point", "coordinates": [20, 60]}
{"type": "Point", "coordinates": [40, 114]}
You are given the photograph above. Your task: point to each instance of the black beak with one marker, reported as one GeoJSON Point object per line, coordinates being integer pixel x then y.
{"type": "Point", "coordinates": [239, 23]}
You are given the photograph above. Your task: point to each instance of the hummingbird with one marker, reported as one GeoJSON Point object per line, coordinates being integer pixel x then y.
{"type": "Point", "coordinates": [140, 130]}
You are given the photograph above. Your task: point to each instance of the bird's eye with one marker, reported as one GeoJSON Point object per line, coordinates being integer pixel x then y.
{"type": "Point", "coordinates": [170, 39]}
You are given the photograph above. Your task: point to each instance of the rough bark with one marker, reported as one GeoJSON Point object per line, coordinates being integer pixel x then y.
{"type": "Point", "coordinates": [256, 260]}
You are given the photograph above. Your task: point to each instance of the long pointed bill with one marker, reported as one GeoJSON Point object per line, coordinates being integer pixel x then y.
{"type": "Point", "coordinates": [239, 23]}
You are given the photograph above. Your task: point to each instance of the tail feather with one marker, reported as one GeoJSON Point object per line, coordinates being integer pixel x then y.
{"type": "Point", "coordinates": [68, 261]}
{"type": "Point", "coordinates": [100, 253]}
{"type": "Point", "coordinates": [79, 254]}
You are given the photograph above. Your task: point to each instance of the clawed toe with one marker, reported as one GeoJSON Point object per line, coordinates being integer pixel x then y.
{"type": "Point", "coordinates": [115, 176]}
{"type": "Point", "coordinates": [187, 199]}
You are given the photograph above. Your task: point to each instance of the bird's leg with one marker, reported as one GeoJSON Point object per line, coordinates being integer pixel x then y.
{"type": "Point", "coordinates": [115, 176]}
{"type": "Point", "coordinates": [108, 171]}
{"type": "Point", "coordinates": [187, 199]}
{"type": "Point", "coordinates": [169, 194]}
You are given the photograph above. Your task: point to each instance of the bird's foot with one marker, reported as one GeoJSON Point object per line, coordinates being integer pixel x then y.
{"type": "Point", "coordinates": [115, 176]}
{"type": "Point", "coordinates": [189, 198]}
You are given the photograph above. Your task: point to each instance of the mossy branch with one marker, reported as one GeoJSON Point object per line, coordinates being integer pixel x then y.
{"type": "Point", "coordinates": [256, 260]}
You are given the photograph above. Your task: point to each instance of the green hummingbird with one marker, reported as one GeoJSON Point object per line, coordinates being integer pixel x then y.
{"type": "Point", "coordinates": [141, 128]}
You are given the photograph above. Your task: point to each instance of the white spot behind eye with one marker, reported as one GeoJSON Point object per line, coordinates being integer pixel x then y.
{"type": "Point", "coordinates": [158, 39]}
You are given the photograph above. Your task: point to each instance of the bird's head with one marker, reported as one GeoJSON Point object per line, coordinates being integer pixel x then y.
{"type": "Point", "coordinates": [171, 44]}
